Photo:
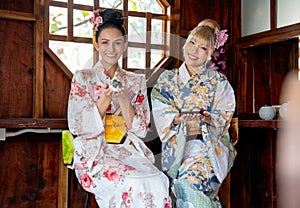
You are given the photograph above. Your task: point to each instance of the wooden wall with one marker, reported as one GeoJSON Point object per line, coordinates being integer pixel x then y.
{"type": "Point", "coordinates": [30, 163]}
{"type": "Point", "coordinates": [34, 94]}
{"type": "Point", "coordinates": [35, 85]}
{"type": "Point", "coordinates": [261, 63]}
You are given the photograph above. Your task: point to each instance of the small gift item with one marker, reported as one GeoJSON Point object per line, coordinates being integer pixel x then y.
{"type": "Point", "coordinates": [115, 84]}
{"type": "Point", "coordinates": [267, 112]}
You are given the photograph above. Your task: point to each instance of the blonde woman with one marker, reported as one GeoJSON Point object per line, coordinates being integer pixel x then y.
{"type": "Point", "coordinates": [192, 109]}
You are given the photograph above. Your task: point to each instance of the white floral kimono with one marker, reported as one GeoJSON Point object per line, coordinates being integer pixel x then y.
{"type": "Point", "coordinates": [119, 175]}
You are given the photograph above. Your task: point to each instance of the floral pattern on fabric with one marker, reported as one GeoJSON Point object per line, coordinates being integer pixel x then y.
{"type": "Point", "coordinates": [198, 164]}
{"type": "Point", "coordinates": [115, 173]}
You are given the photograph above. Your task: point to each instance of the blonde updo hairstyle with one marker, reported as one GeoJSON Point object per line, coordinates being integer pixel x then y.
{"type": "Point", "coordinates": [209, 23]}
{"type": "Point", "coordinates": [203, 35]}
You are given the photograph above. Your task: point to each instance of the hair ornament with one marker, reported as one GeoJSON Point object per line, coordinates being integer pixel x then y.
{"type": "Point", "coordinates": [96, 20]}
{"type": "Point", "coordinates": [217, 62]}
{"type": "Point", "coordinates": [221, 38]}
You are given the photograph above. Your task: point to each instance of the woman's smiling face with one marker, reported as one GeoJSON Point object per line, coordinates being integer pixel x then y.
{"type": "Point", "coordinates": [111, 44]}
{"type": "Point", "coordinates": [195, 53]}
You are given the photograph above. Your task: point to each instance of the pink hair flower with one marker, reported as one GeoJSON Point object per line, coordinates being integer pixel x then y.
{"type": "Point", "coordinates": [221, 38]}
{"type": "Point", "coordinates": [98, 22]}
{"type": "Point", "coordinates": [222, 64]}
{"type": "Point", "coordinates": [216, 55]}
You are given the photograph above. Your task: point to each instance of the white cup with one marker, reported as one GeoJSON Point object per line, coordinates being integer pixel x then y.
{"type": "Point", "coordinates": [267, 112]}
{"type": "Point", "coordinates": [283, 110]}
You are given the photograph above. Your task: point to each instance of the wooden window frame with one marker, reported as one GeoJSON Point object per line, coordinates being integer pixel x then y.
{"type": "Point", "coordinates": [147, 45]}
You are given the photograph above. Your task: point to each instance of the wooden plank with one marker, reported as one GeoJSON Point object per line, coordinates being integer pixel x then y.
{"type": "Point", "coordinates": [59, 63]}
{"type": "Point", "coordinates": [148, 41]}
{"type": "Point", "coordinates": [5, 14]}
{"type": "Point", "coordinates": [63, 181]}
{"type": "Point", "coordinates": [38, 81]}
{"type": "Point", "coordinates": [18, 172]}
{"type": "Point", "coordinates": [224, 192]}
{"type": "Point", "coordinates": [16, 68]}
{"type": "Point", "coordinates": [261, 124]}
{"type": "Point", "coordinates": [48, 149]}
{"type": "Point", "coordinates": [273, 12]}
{"type": "Point", "coordinates": [70, 36]}
{"type": "Point", "coordinates": [272, 36]}
{"type": "Point", "coordinates": [46, 23]}
{"type": "Point", "coordinates": [55, 123]}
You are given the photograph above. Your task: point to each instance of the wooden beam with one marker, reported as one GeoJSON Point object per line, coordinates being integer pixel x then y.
{"type": "Point", "coordinates": [70, 30]}
{"type": "Point", "coordinates": [38, 123]}
{"type": "Point", "coordinates": [5, 14]}
{"type": "Point", "coordinates": [38, 79]}
{"type": "Point", "coordinates": [148, 41]}
{"type": "Point", "coordinates": [63, 181]}
{"type": "Point", "coordinates": [273, 12]}
{"type": "Point", "coordinates": [273, 124]}
{"type": "Point", "coordinates": [272, 36]}
{"type": "Point", "coordinates": [59, 63]}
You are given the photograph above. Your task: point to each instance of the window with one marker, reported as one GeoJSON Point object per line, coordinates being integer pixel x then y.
{"type": "Point", "coordinates": [261, 16]}
{"type": "Point", "coordinates": [70, 32]}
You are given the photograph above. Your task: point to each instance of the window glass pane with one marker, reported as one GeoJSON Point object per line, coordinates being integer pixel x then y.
{"type": "Point", "coordinates": [156, 34]}
{"type": "Point", "coordinates": [74, 55]}
{"type": "Point", "coordinates": [69, 52]}
{"type": "Point", "coordinates": [116, 4]}
{"type": "Point", "coordinates": [255, 16]}
{"type": "Point", "coordinates": [156, 56]}
{"type": "Point", "coordinates": [58, 20]}
{"type": "Point", "coordinates": [145, 6]}
{"type": "Point", "coordinates": [82, 27]}
{"type": "Point", "coordinates": [137, 29]}
{"type": "Point", "coordinates": [84, 2]}
{"type": "Point", "coordinates": [136, 58]}
{"type": "Point", "coordinates": [288, 12]}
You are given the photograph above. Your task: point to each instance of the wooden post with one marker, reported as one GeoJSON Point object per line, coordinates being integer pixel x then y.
{"type": "Point", "coordinates": [38, 79]}
{"type": "Point", "coordinates": [63, 180]}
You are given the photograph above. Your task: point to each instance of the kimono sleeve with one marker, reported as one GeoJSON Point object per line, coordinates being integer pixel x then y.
{"type": "Point", "coordinates": [163, 107]}
{"type": "Point", "coordinates": [142, 110]}
{"type": "Point", "coordinates": [83, 115]}
{"type": "Point", "coordinates": [223, 108]}
{"type": "Point", "coordinates": [221, 153]}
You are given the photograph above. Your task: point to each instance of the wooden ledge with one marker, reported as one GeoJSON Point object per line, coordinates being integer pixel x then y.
{"type": "Point", "coordinates": [260, 124]}
{"type": "Point", "coordinates": [38, 123]}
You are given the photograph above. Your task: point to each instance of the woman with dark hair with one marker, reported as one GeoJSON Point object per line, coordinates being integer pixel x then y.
{"type": "Point", "coordinates": [109, 113]}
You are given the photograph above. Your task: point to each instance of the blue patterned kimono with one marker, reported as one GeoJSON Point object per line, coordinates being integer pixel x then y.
{"type": "Point", "coordinates": [196, 167]}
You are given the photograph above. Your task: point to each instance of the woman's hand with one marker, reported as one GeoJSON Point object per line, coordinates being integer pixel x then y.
{"type": "Point", "coordinates": [107, 91]}
{"type": "Point", "coordinates": [121, 94]}
{"type": "Point", "coordinates": [192, 117]}
{"type": "Point", "coordinates": [127, 109]}
{"type": "Point", "coordinates": [104, 101]}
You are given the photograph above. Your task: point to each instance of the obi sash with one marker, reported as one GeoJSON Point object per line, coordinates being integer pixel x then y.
{"type": "Point", "coordinates": [115, 129]}
{"type": "Point", "coordinates": [193, 128]}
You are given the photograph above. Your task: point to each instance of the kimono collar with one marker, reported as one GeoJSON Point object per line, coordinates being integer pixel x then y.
{"type": "Point", "coordinates": [103, 72]}
{"type": "Point", "coordinates": [183, 73]}
{"type": "Point", "coordinates": [185, 76]}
